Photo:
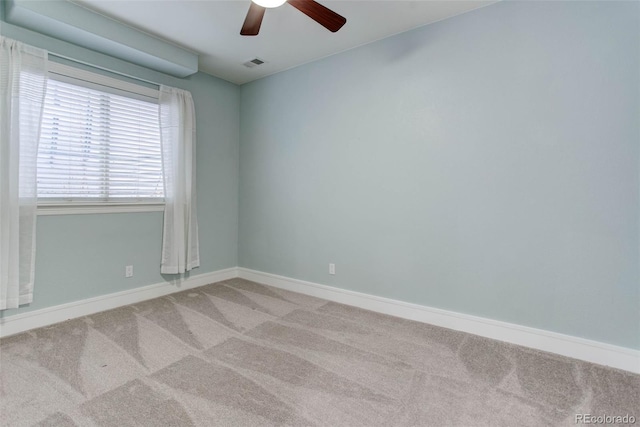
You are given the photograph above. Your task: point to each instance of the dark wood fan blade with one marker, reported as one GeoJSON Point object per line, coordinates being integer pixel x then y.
{"type": "Point", "coordinates": [252, 22]}
{"type": "Point", "coordinates": [322, 15]}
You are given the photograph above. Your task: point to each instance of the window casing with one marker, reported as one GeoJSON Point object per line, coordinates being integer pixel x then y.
{"type": "Point", "coordinates": [99, 142]}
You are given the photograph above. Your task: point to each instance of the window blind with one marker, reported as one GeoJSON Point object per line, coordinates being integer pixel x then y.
{"type": "Point", "coordinates": [98, 146]}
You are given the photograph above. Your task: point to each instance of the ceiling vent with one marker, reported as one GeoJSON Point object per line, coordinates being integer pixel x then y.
{"type": "Point", "coordinates": [253, 63]}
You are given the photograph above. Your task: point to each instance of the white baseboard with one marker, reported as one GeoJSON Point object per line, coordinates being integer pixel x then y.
{"type": "Point", "coordinates": [47, 316]}
{"type": "Point", "coordinates": [565, 345]}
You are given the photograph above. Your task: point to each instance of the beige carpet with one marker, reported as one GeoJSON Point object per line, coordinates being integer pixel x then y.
{"type": "Point", "coordinates": [238, 353]}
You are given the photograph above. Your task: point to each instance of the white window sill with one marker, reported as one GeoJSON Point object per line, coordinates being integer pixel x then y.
{"type": "Point", "coordinates": [83, 209]}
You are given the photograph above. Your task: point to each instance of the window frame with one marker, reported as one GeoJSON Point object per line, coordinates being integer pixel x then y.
{"type": "Point", "coordinates": [73, 75]}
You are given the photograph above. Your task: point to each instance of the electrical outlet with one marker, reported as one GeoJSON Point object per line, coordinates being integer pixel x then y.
{"type": "Point", "coordinates": [332, 269]}
{"type": "Point", "coordinates": [128, 271]}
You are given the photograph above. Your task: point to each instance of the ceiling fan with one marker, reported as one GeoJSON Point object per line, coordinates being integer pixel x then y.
{"type": "Point", "coordinates": [319, 13]}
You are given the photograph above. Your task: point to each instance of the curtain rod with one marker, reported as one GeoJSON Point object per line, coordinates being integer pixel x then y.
{"type": "Point", "coordinates": [57, 55]}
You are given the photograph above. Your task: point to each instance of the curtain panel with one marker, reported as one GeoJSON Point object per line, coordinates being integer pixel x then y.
{"type": "Point", "coordinates": [23, 80]}
{"type": "Point", "coordinates": [180, 248]}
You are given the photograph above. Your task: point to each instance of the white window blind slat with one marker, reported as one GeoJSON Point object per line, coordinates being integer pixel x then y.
{"type": "Point", "coordinates": [92, 80]}
{"type": "Point", "coordinates": [98, 145]}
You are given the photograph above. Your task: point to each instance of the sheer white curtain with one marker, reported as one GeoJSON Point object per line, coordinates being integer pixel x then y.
{"type": "Point", "coordinates": [180, 249]}
{"type": "Point", "coordinates": [23, 79]}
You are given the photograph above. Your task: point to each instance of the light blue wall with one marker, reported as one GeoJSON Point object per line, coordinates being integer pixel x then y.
{"type": "Point", "coordinates": [486, 164]}
{"type": "Point", "coordinates": [82, 256]}
{"type": "Point", "coordinates": [76, 24]}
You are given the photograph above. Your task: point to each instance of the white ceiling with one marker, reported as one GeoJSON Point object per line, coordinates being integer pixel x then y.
{"type": "Point", "coordinates": [288, 38]}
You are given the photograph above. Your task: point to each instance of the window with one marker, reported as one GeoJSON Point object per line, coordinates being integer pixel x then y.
{"type": "Point", "coordinates": [99, 142]}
